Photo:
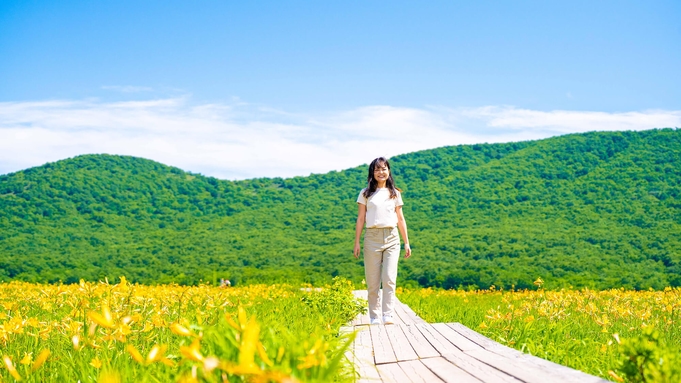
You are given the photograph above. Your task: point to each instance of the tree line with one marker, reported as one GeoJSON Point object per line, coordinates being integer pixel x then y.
{"type": "Point", "coordinates": [600, 210]}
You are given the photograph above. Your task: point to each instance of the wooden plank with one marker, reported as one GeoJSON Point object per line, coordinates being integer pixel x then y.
{"type": "Point", "coordinates": [565, 373]}
{"type": "Point", "coordinates": [362, 345]}
{"type": "Point", "coordinates": [460, 341]}
{"type": "Point", "coordinates": [402, 314]}
{"type": "Point", "coordinates": [364, 356]}
{"type": "Point", "coordinates": [439, 342]}
{"type": "Point", "coordinates": [444, 346]}
{"type": "Point", "coordinates": [368, 373]}
{"type": "Point", "coordinates": [409, 313]}
{"type": "Point", "coordinates": [364, 320]}
{"type": "Point", "coordinates": [396, 318]}
{"type": "Point", "coordinates": [383, 351]}
{"type": "Point", "coordinates": [399, 310]}
{"type": "Point", "coordinates": [401, 347]}
{"type": "Point", "coordinates": [479, 369]}
{"type": "Point", "coordinates": [525, 372]}
{"type": "Point", "coordinates": [360, 320]}
{"type": "Point", "coordinates": [417, 372]}
{"type": "Point", "coordinates": [469, 364]}
{"type": "Point", "coordinates": [538, 370]}
{"type": "Point", "coordinates": [418, 342]}
{"type": "Point", "coordinates": [447, 371]}
{"type": "Point", "coordinates": [483, 341]}
{"type": "Point", "coordinates": [392, 373]}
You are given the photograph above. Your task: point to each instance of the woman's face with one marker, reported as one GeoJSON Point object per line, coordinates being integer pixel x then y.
{"type": "Point", "coordinates": [381, 172]}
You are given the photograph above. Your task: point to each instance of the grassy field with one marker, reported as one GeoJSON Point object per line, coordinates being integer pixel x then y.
{"type": "Point", "coordinates": [582, 329]}
{"type": "Point", "coordinates": [101, 332]}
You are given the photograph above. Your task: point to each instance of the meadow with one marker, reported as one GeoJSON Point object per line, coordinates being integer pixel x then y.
{"type": "Point", "coordinates": [616, 334]}
{"type": "Point", "coordinates": [122, 332]}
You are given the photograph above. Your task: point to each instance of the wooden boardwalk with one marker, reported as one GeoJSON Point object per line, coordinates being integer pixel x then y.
{"type": "Point", "coordinates": [412, 350]}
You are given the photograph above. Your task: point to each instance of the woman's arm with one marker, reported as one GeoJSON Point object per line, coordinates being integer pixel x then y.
{"type": "Point", "coordinates": [361, 217]}
{"type": "Point", "coordinates": [402, 227]}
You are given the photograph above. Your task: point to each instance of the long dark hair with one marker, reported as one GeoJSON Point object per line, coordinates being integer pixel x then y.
{"type": "Point", "coordinates": [373, 184]}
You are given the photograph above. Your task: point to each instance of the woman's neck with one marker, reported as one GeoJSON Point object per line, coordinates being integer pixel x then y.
{"type": "Point", "coordinates": [380, 184]}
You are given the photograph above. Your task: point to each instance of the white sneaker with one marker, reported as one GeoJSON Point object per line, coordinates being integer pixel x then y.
{"type": "Point", "coordinates": [375, 321]}
{"type": "Point", "coordinates": [388, 320]}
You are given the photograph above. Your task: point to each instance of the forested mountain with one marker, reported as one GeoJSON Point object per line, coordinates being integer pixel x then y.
{"type": "Point", "coordinates": [596, 209]}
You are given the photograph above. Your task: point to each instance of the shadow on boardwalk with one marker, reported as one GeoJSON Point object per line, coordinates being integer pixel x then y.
{"type": "Point", "coordinates": [412, 350]}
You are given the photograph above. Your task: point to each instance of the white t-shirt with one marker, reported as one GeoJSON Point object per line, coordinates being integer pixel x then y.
{"type": "Point", "coordinates": [381, 208]}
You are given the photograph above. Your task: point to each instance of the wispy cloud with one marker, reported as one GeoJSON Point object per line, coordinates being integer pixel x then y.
{"type": "Point", "coordinates": [238, 140]}
{"type": "Point", "coordinates": [564, 121]}
{"type": "Point", "coordinates": [128, 88]}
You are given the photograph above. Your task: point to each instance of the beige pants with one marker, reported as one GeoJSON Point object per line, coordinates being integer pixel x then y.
{"type": "Point", "coordinates": [381, 253]}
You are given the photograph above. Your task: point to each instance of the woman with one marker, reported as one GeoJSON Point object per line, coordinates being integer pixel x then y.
{"type": "Point", "coordinates": [380, 208]}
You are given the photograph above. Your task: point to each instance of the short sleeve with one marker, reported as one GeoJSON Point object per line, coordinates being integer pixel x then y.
{"type": "Point", "coordinates": [361, 198]}
{"type": "Point", "coordinates": [398, 200]}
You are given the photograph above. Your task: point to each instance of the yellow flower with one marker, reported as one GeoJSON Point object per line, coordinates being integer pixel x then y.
{"type": "Point", "coordinates": [193, 351]}
{"type": "Point", "coordinates": [309, 360]}
{"type": "Point", "coordinates": [236, 369]}
{"type": "Point", "coordinates": [42, 357]}
{"type": "Point", "coordinates": [156, 353]}
{"type": "Point", "coordinates": [178, 329]}
{"type": "Point", "coordinates": [10, 367]}
{"type": "Point", "coordinates": [96, 363]}
{"type": "Point", "coordinates": [27, 359]}
{"type": "Point", "coordinates": [104, 319]}
{"type": "Point", "coordinates": [314, 357]}
{"type": "Point", "coordinates": [263, 355]}
{"type": "Point", "coordinates": [135, 354]}
{"type": "Point", "coordinates": [167, 362]}
{"type": "Point", "coordinates": [249, 341]}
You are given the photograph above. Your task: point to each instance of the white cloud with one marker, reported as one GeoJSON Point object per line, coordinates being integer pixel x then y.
{"type": "Point", "coordinates": [238, 140]}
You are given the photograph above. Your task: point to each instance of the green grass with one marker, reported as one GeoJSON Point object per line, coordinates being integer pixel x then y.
{"type": "Point", "coordinates": [575, 328]}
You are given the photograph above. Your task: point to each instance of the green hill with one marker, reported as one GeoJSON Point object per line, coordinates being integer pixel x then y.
{"type": "Point", "coordinates": [597, 209]}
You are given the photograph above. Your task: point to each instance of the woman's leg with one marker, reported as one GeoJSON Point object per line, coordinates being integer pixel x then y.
{"type": "Point", "coordinates": [373, 257]}
{"type": "Point", "coordinates": [391, 256]}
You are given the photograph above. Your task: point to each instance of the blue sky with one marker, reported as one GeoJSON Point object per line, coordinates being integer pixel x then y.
{"type": "Point", "coordinates": [213, 86]}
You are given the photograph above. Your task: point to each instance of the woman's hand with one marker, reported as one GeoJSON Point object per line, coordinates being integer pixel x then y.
{"type": "Point", "coordinates": [402, 227]}
{"type": "Point", "coordinates": [356, 251]}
